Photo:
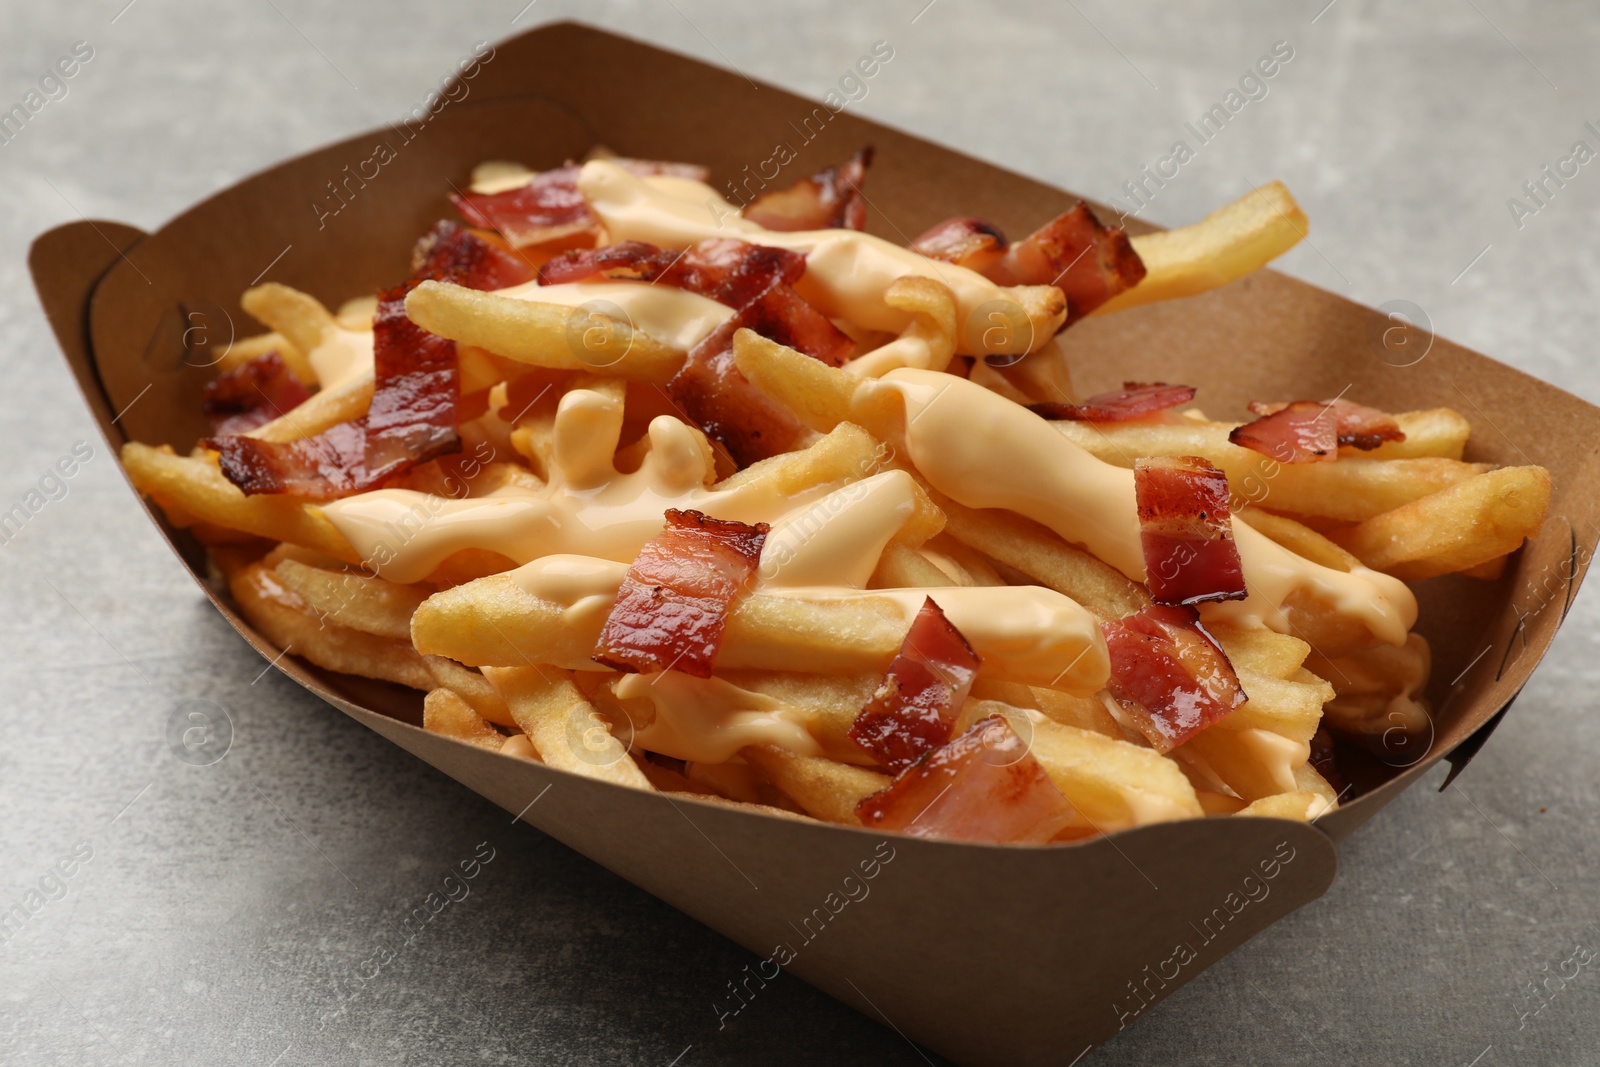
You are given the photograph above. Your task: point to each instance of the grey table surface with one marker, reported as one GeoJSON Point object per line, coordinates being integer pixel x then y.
{"type": "Point", "coordinates": [223, 910]}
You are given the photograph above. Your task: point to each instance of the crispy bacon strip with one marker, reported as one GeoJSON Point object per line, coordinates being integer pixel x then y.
{"type": "Point", "coordinates": [673, 605]}
{"type": "Point", "coordinates": [415, 408]}
{"type": "Point", "coordinates": [983, 786]}
{"type": "Point", "coordinates": [1186, 529]}
{"type": "Point", "coordinates": [413, 416]}
{"type": "Point", "coordinates": [1169, 674]}
{"type": "Point", "coordinates": [726, 270]}
{"type": "Point", "coordinates": [1077, 254]}
{"type": "Point", "coordinates": [550, 207]}
{"type": "Point", "coordinates": [713, 392]}
{"type": "Point", "coordinates": [453, 253]}
{"type": "Point", "coordinates": [1358, 425]}
{"type": "Point", "coordinates": [252, 394]}
{"type": "Point", "coordinates": [1302, 432]}
{"type": "Point", "coordinates": [830, 199]}
{"type": "Point", "coordinates": [966, 241]}
{"type": "Point", "coordinates": [1133, 401]}
{"type": "Point", "coordinates": [916, 705]}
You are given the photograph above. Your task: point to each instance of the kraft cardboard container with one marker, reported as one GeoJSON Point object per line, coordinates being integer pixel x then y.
{"type": "Point", "coordinates": [986, 954]}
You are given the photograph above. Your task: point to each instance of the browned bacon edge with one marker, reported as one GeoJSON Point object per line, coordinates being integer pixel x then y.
{"type": "Point", "coordinates": [1133, 401]}
{"type": "Point", "coordinates": [829, 199]}
{"type": "Point", "coordinates": [673, 605]}
{"type": "Point", "coordinates": [252, 394]}
{"type": "Point", "coordinates": [916, 705]}
{"type": "Point", "coordinates": [983, 786]}
{"type": "Point", "coordinates": [966, 241]}
{"type": "Point", "coordinates": [1358, 425]}
{"type": "Point", "coordinates": [1302, 432]}
{"type": "Point", "coordinates": [451, 252]}
{"type": "Point", "coordinates": [1169, 674]}
{"type": "Point", "coordinates": [1089, 262]}
{"type": "Point", "coordinates": [726, 270]}
{"type": "Point", "coordinates": [1186, 529]}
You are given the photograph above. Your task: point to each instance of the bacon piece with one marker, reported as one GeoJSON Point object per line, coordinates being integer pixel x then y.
{"type": "Point", "coordinates": [1302, 432]}
{"type": "Point", "coordinates": [1077, 254]}
{"type": "Point", "coordinates": [1169, 674]}
{"type": "Point", "coordinates": [450, 252]}
{"type": "Point", "coordinates": [547, 208]}
{"type": "Point", "coordinates": [673, 605]}
{"type": "Point", "coordinates": [726, 270]}
{"type": "Point", "coordinates": [916, 705]}
{"type": "Point", "coordinates": [550, 207]}
{"type": "Point", "coordinates": [329, 465]}
{"type": "Point", "coordinates": [413, 416]}
{"type": "Point", "coordinates": [1186, 529]}
{"type": "Point", "coordinates": [983, 786]}
{"type": "Point", "coordinates": [713, 392]}
{"type": "Point", "coordinates": [252, 394]}
{"type": "Point", "coordinates": [1133, 401]}
{"type": "Point", "coordinates": [1358, 425]}
{"type": "Point", "coordinates": [966, 241]}
{"type": "Point", "coordinates": [829, 199]}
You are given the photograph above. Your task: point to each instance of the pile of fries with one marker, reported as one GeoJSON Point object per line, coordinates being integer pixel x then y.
{"type": "Point", "coordinates": [807, 690]}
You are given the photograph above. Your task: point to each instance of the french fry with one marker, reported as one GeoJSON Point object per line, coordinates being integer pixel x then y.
{"type": "Point", "coordinates": [1229, 243]}
{"type": "Point", "coordinates": [198, 487]}
{"type": "Point", "coordinates": [1458, 528]}
{"type": "Point", "coordinates": [1300, 806]}
{"type": "Point", "coordinates": [518, 745]}
{"type": "Point", "coordinates": [1045, 557]}
{"type": "Point", "coordinates": [1253, 762]}
{"type": "Point", "coordinates": [358, 601]}
{"type": "Point", "coordinates": [847, 453]}
{"type": "Point", "coordinates": [445, 713]}
{"type": "Point", "coordinates": [286, 621]}
{"type": "Point", "coordinates": [1350, 488]}
{"type": "Point", "coordinates": [471, 687]}
{"type": "Point", "coordinates": [357, 312]}
{"type": "Point", "coordinates": [346, 401]}
{"type": "Point", "coordinates": [829, 703]}
{"type": "Point", "coordinates": [545, 335]}
{"type": "Point", "coordinates": [1068, 709]}
{"type": "Point", "coordinates": [1298, 538]}
{"type": "Point", "coordinates": [244, 349]}
{"type": "Point", "coordinates": [565, 729]}
{"type": "Point", "coordinates": [823, 788]}
{"type": "Point", "coordinates": [1116, 785]}
{"type": "Point", "coordinates": [928, 342]}
{"type": "Point", "coordinates": [298, 316]}
{"type": "Point", "coordinates": [1440, 433]}
{"type": "Point", "coordinates": [810, 390]}
{"type": "Point", "coordinates": [964, 564]}
{"type": "Point", "coordinates": [904, 567]}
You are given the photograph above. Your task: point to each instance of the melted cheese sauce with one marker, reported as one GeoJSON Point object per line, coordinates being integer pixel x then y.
{"type": "Point", "coordinates": [847, 272]}
{"type": "Point", "coordinates": [709, 720]}
{"type": "Point", "coordinates": [341, 357]}
{"type": "Point", "coordinates": [985, 452]}
{"type": "Point", "coordinates": [672, 316]}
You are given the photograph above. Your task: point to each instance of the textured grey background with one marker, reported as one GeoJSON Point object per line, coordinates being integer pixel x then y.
{"type": "Point", "coordinates": [226, 911]}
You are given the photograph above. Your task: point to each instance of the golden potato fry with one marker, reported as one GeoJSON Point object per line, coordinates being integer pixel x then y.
{"type": "Point", "coordinates": [358, 601]}
{"type": "Point", "coordinates": [1043, 556]}
{"type": "Point", "coordinates": [565, 729]}
{"type": "Point", "coordinates": [298, 316]}
{"type": "Point", "coordinates": [848, 453]}
{"type": "Point", "coordinates": [904, 567]}
{"type": "Point", "coordinates": [1351, 488]}
{"type": "Point", "coordinates": [1298, 538]}
{"type": "Point", "coordinates": [545, 335]}
{"type": "Point", "coordinates": [828, 703]}
{"type": "Point", "coordinates": [357, 312]}
{"type": "Point", "coordinates": [1229, 243]}
{"type": "Point", "coordinates": [198, 487]}
{"type": "Point", "coordinates": [1114, 784]}
{"type": "Point", "coordinates": [286, 621]}
{"type": "Point", "coordinates": [810, 390]}
{"type": "Point", "coordinates": [1464, 526]}
{"type": "Point", "coordinates": [1488, 571]}
{"type": "Point", "coordinates": [1254, 762]}
{"type": "Point", "coordinates": [445, 713]}
{"type": "Point", "coordinates": [823, 788]}
{"type": "Point", "coordinates": [244, 349]}
{"type": "Point", "coordinates": [1437, 432]}
{"type": "Point", "coordinates": [1068, 709]}
{"type": "Point", "coordinates": [471, 687]}
{"type": "Point", "coordinates": [1300, 806]}
{"type": "Point", "coordinates": [928, 342]}
{"type": "Point", "coordinates": [964, 564]}
{"type": "Point", "coordinates": [345, 401]}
